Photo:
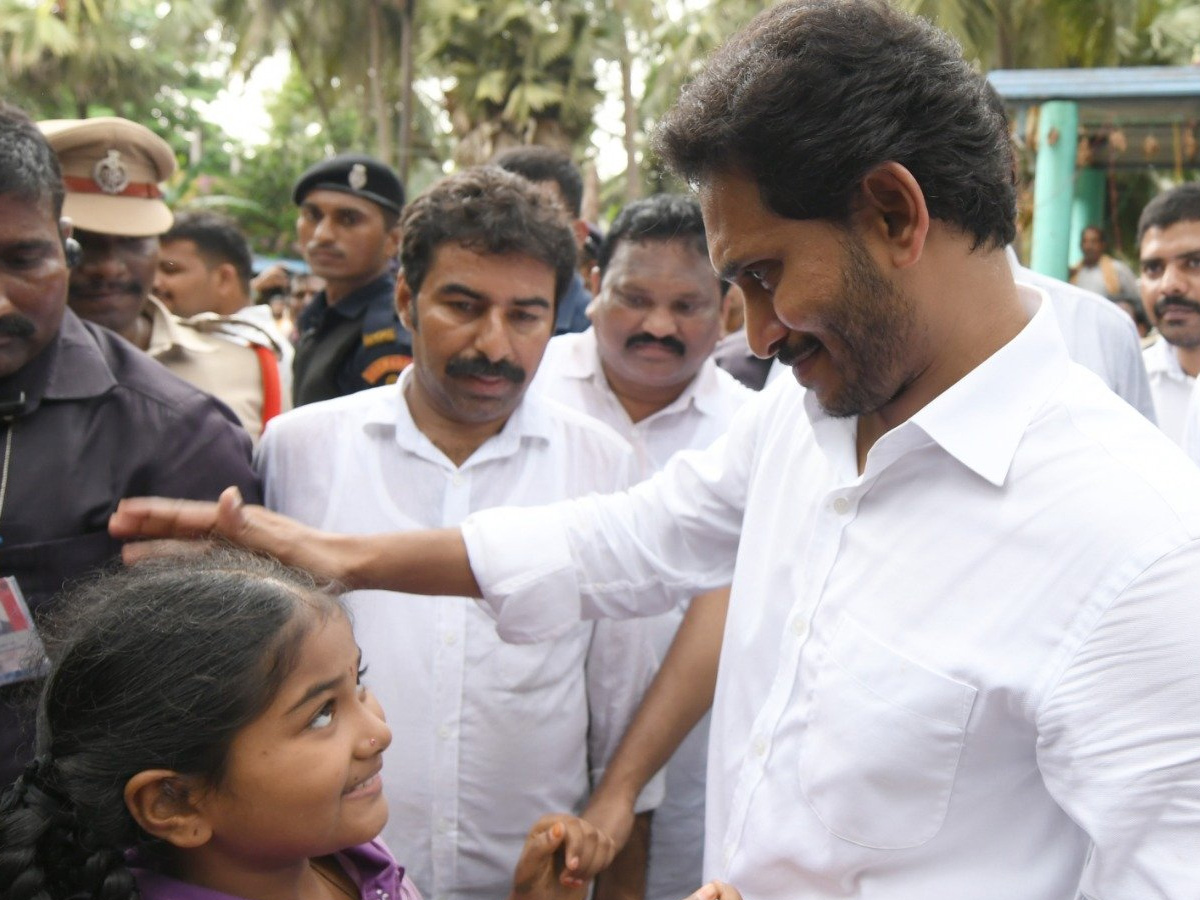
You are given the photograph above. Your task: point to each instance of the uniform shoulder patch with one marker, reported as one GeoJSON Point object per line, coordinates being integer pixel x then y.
{"type": "Point", "coordinates": [382, 336]}
{"type": "Point", "coordinates": [379, 370]}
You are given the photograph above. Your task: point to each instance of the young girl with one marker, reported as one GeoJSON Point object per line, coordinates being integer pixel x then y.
{"type": "Point", "coordinates": [205, 734]}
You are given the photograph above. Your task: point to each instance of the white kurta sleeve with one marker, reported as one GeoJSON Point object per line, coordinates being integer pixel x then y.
{"type": "Point", "coordinates": [1119, 736]}
{"type": "Point", "coordinates": [631, 554]}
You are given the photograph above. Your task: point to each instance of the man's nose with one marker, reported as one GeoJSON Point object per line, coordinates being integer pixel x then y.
{"type": "Point", "coordinates": [492, 339]}
{"type": "Point", "coordinates": [764, 332]}
{"type": "Point", "coordinates": [659, 322]}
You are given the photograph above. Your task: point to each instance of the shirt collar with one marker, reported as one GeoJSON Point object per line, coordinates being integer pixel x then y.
{"type": "Point", "coordinates": [1160, 358]}
{"type": "Point", "coordinates": [370, 866]}
{"type": "Point", "coordinates": [981, 419]}
{"type": "Point", "coordinates": [531, 420]}
{"type": "Point", "coordinates": [79, 369]}
{"type": "Point", "coordinates": [583, 363]}
{"type": "Point", "coordinates": [168, 335]}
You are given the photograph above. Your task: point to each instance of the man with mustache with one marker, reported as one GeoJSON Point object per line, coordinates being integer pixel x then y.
{"type": "Point", "coordinates": [1169, 263]}
{"type": "Point", "coordinates": [962, 651]}
{"type": "Point", "coordinates": [644, 368]}
{"type": "Point", "coordinates": [348, 232]}
{"type": "Point", "coordinates": [495, 734]}
{"type": "Point", "coordinates": [85, 417]}
{"type": "Point", "coordinates": [112, 168]}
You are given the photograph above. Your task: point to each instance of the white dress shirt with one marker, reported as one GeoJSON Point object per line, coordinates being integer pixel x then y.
{"type": "Point", "coordinates": [571, 373]}
{"type": "Point", "coordinates": [970, 672]}
{"type": "Point", "coordinates": [1171, 387]}
{"type": "Point", "coordinates": [1098, 334]}
{"type": "Point", "coordinates": [487, 736]}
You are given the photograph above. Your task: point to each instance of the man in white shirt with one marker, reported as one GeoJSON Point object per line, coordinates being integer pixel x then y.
{"type": "Point", "coordinates": [489, 735]}
{"type": "Point", "coordinates": [645, 369]}
{"type": "Point", "coordinates": [1169, 260]}
{"type": "Point", "coordinates": [962, 654]}
{"type": "Point", "coordinates": [1100, 273]}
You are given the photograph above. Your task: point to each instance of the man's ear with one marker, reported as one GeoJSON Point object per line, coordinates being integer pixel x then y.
{"type": "Point", "coordinates": [404, 302]}
{"type": "Point", "coordinates": [227, 277]}
{"type": "Point", "coordinates": [167, 806]}
{"type": "Point", "coordinates": [580, 227]}
{"type": "Point", "coordinates": [394, 237]}
{"type": "Point", "coordinates": [892, 210]}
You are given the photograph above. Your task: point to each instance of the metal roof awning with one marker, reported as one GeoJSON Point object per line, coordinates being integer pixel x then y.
{"type": "Point", "coordinates": [1128, 117]}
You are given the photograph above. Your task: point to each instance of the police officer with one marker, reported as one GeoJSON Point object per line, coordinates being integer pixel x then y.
{"type": "Point", "coordinates": [350, 335]}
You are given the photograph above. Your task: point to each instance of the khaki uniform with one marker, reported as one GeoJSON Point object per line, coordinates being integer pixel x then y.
{"type": "Point", "coordinates": [205, 352]}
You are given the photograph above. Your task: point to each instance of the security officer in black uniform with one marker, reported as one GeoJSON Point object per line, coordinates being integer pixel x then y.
{"type": "Point", "coordinates": [350, 335]}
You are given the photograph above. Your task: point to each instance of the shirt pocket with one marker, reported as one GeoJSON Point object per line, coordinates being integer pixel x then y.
{"type": "Point", "coordinates": [885, 735]}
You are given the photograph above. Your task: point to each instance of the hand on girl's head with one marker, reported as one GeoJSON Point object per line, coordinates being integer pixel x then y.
{"type": "Point", "coordinates": [558, 851]}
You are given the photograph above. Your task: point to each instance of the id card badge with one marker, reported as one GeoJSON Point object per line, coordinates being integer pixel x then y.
{"type": "Point", "coordinates": [22, 654]}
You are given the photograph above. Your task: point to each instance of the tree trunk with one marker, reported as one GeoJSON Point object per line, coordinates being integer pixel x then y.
{"type": "Point", "coordinates": [633, 178]}
{"type": "Point", "coordinates": [404, 136]}
{"type": "Point", "coordinates": [379, 110]}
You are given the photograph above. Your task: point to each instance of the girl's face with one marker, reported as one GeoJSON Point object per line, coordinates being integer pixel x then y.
{"type": "Point", "coordinates": [302, 780]}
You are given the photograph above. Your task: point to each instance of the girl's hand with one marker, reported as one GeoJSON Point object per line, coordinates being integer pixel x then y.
{"type": "Point", "coordinates": [716, 890]}
{"type": "Point", "coordinates": [557, 851]}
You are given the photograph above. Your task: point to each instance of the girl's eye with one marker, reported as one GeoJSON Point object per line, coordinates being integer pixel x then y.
{"type": "Point", "coordinates": [323, 718]}
{"type": "Point", "coordinates": [362, 673]}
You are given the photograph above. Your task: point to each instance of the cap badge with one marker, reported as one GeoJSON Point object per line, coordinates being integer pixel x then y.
{"type": "Point", "coordinates": [110, 173]}
{"type": "Point", "coordinates": [358, 176]}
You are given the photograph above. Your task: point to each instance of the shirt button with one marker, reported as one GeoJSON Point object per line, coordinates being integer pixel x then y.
{"type": "Point", "coordinates": [457, 480]}
{"type": "Point", "coordinates": [760, 746]}
{"type": "Point", "coordinates": [841, 506]}
{"type": "Point", "coordinates": [450, 638]}
{"type": "Point", "coordinates": [443, 825]}
{"type": "Point", "coordinates": [799, 627]}
{"type": "Point", "coordinates": [444, 731]}
{"type": "Point", "coordinates": [729, 848]}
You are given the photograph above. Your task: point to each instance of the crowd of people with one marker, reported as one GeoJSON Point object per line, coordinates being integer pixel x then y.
{"type": "Point", "coordinates": [806, 542]}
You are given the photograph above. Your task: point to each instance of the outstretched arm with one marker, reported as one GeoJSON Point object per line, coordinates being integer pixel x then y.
{"type": "Point", "coordinates": [417, 562]}
{"type": "Point", "coordinates": [677, 699]}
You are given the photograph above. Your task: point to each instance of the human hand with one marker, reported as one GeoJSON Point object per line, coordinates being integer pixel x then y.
{"type": "Point", "coordinates": [716, 890]}
{"type": "Point", "coordinates": [168, 522]}
{"type": "Point", "coordinates": [612, 814]}
{"type": "Point", "coordinates": [557, 851]}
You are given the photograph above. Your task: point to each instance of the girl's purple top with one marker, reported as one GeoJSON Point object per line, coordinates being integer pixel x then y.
{"type": "Point", "coordinates": [369, 865]}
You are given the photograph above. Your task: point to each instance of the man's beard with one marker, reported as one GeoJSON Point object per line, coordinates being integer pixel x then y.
{"type": "Point", "coordinates": [875, 323]}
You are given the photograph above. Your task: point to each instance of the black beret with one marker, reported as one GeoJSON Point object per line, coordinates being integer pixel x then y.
{"type": "Point", "coordinates": [353, 173]}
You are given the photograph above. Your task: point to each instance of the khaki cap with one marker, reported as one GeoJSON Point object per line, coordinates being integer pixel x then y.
{"type": "Point", "coordinates": [111, 170]}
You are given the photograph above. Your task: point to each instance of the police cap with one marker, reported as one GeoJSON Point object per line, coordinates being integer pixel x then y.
{"type": "Point", "coordinates": [353, 173]}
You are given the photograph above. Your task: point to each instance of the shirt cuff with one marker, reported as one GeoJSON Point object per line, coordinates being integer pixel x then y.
{"type": "Point", "coordinates": [522, 563]}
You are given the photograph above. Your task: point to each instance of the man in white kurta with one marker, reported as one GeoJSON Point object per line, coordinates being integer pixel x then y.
{"type": "Point", "coordinates": [489, 735]}
{"type": "Point", "coordinates": [889, 722]}
{"type": "Point", "coordinates": [655, 320]}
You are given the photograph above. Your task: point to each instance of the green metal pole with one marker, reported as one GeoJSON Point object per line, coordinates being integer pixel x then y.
{"type": "Point", "coordinates": [1054, 187]}
{"type": "Point", "coordinates": [1087, 208]}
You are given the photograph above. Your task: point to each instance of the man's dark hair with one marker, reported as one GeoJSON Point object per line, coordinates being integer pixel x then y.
{"type": "Point", "coordinates": [486, 210]}
{"type": "Point", "coordinates": [1179, 204]}
{"type": "Point", "coordinates": [540, 164]}
{"type": "Point", "coordinates": [28, 167]}
{"type": "Point", "coordinates": [813, 94]}
{"type": "Point", "coordinates": [218, 240]}
{"type": "Point", "coordinates": [662, 217]}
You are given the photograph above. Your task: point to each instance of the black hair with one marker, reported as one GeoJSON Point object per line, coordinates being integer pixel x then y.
{"type": "Point", "coordinates": [217, 238]}
{"type": "Point", "coordinates": [813, 94]}
{"type": "Point", "coordinates": [157, 666]}
{"type": "Point", "coordinates": [487, 210]}
{"type": "Point", "coordinates": [540, 164]}
{"type": "Point", "coordinates": [1179, 204]}
{"type": "Point", "coordinates": [661, 217]}
{"type": "Point", "coordinates": [29, 169]}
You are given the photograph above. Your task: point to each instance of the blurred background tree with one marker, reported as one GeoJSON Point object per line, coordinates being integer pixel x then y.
{"type": "Point", "coordinates": [433, 84]}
